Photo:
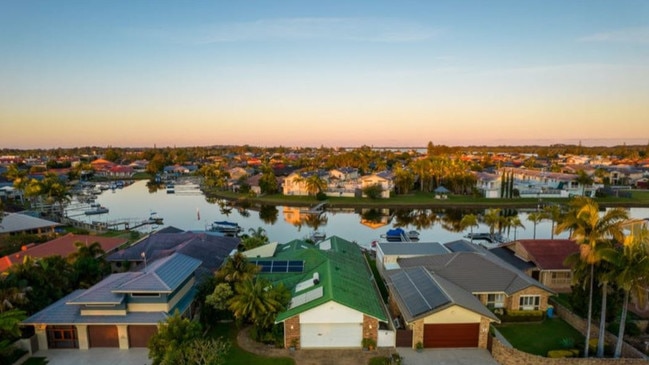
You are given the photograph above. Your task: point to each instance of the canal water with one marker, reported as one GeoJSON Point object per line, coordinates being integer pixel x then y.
{"type": "Point", "coordinates": [188, 209]}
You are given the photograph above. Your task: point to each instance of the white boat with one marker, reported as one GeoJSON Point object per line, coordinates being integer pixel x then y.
{"type": "Point", "coordinates": [96, 209]}
{"type": "Point", "coordinates": [226, 227]}
{"type": "Point", "coordinates": [413, 235]}
{"type": "Point", "coordinates": [317, 236]}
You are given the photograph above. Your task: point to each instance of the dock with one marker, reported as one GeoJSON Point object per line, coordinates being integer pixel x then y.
{"type": "Point", "coordinates": [318, 208]}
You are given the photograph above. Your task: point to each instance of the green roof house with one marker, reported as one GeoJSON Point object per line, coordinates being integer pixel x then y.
{"type": "Point", "coordinates": [335, 303]}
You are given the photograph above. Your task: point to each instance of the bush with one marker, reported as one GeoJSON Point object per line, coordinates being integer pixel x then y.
{"type": "Point", "coordinates": [567, 342]}
{"type": "Point", "coordinates": [631, 328]}
{"type": "Point", "coordinates": [368, 343]}
{"type": "Point", "coordinates": [560, 354]}
{"type": "Point", "coordinates": [522, 316]}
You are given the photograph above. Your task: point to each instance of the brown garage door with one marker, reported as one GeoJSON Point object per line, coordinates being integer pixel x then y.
{"type": "Point", "coordinates": [103, 336]}
{"type": "Point", "coordinates": [138, 336]}
{"type": "Point", "coordinates": [451, 335]}
{"type": "Point", "coordinates": [404, 338]}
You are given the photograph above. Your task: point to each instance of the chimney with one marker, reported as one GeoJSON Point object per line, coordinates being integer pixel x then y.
{"type": "Point", "coordinates": [316, 278]}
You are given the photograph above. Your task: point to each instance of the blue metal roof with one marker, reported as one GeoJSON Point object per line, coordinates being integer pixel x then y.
{"type": "Point", "coordinates": [164, 275]}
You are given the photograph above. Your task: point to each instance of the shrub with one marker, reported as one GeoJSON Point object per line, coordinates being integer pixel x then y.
{"type": "Point", "coordinates": [559, 354]}
{"type": "Point", "coordinates": [522, 316]}
{"type": "Point", "coordinates": [567, 342]}
{"type": "Point", "coordinates": [368, 343]}
{"type": "Point", "coordinates": [631, 328]}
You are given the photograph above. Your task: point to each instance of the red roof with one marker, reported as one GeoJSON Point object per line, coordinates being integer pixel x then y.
{"type": "Point", "coordinates": [62, 246]}
{"type": "Point", "coordinates": [549, 254]}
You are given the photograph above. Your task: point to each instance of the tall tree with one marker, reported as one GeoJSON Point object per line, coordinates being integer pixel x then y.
{"type": "Point", "coordinates": [553, 213]}
{"type": "Point", "coordinates": [257, 301]}
{"type": "Point", "coordinates": [493, 219]}
{"type": "Point", "coordinates": [535, 217]}
{"type": "Point", "coordinates": [469, 221]}
{"type": "Point", "coordinates": [589, 230]}
{"type": "Point", "coordinates": [632, 276]}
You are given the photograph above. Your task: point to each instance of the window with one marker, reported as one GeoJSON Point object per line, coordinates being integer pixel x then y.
{"type": "Point", "coordinates": [495, 300]}
{"type": "Point", "coordinates": [529, 302]}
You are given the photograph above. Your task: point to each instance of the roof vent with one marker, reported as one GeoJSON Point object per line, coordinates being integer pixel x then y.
{"type": "Point", "coordinates": [316, 278]}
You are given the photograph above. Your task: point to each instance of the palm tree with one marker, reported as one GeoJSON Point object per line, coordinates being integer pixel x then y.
{"type": "Point", "coordinates": [19, 178]}
{"type": "Point", "coordinates": [583, 179]}
{"type": "Point", "coordinates": [10, 321]}
{"type": "Point", "coordinates": [469, 221]}
{"type": "Point", "coordinates": [493, 219]}
{"type": "Point", "coordinates": [589, 231]}
{"type": "Point", "coordinates": [237, 268]}
{"type": "Point", "coordinates": [514, 221]}
{"type": "Point", "coordinates": [535, 217]}
{"type": "Point", "coordinates": [632, 276]}
{"type": "Point", "coordinates": [552, 212]}
{"type": "Point", "coordinates": [315, 184]}
{"type": "Point", "coordinates": [256, 300]}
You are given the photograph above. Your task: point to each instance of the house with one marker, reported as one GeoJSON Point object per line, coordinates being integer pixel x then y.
{"type": "Point", "coordinates": [384, 179]}
{"type": "Point", "coordinates": [546, 258]}
{"type": "Point", "coordinates": [121, 311]}
{"type": "Point", "coordinates": [488, 184]}
{"type": "Point", "coordinates": [335, 303]}
{"type": "Point", "coordinates": [388, 253]}
{"type": "Point", "coordinates": [296, 182]}
{"type": "Point", "coordinates": [437, 312]}
{"type": "Point", "coordinates": [445, 300]}
{"type": "Point", "coordinates": [61, 246]}
{"type": "Point", "coordinates": [210, 248]}
{"type": "Point", "coordinates": [18, 223]}
{"type": "Point", "coordinates": [344, 173]}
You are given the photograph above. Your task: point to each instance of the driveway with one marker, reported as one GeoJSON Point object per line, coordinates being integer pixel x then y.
{"type": "Point", "coordinates": [134, 356]}
{"type": "Point", "coordinates": [446, 357]}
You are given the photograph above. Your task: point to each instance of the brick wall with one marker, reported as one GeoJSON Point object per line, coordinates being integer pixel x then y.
{"type": "Point", "coordinates": [505, 355]}
{"type": "Point", "coordinates": [484, 332]}
{"type": "Point", "coordinates": [292, 332]}
{"type": "Point", "coordinates": [515, 299]}
{"type": "Point", "coordinates": [370, 328]}
{"type": "Point", "coordinates": [417, 332]}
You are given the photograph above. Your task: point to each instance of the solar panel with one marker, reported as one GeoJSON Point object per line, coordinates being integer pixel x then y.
{"type": "Point", "coordinates": [279, 266]}
{"type": "Point", "coordinates": [421, 297]}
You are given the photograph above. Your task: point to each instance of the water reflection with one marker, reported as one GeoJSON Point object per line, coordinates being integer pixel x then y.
{"type": "Point", "coordinates": [283, 224]}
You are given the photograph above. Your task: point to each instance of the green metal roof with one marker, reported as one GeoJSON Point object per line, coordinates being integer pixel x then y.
{"type": "Point", "coordinates": [344, 276]}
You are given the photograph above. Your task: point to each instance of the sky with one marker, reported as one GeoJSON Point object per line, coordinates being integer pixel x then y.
{"type": "Point", "coordinates": [334, 73]}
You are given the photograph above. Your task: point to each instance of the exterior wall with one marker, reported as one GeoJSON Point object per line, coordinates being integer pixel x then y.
{"type": "Point", "coordinates": [41, 336]}
{"type": "Point", "coordinates": [122, 335]}
{"type": "Point", "coordinates": [417, 332]}
{"type": "Point", "coordinates": [484, 332]}
{"type": "Point", "coordinates": [82, 335]}
{"type": "Point", "coordinates": [387, 338]}
{"type": "Point", "coordinates": [513, 301]}
{"type": "Point", "coordinates": [453, 314]}
{"type": "Point", "coordinates": [331, 312]}
{"type": "Point", "coordinates": [292, 332]}
{"type": "Point", "coordinates": [562, 284]}
{"type": "Point", "coordinates": [370, 328]}
{"type": "Point", "coordinates": [505, 355]}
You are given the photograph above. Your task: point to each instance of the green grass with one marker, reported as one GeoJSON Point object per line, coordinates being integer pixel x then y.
{"type": "Point", "coordinates": [237, 355]}
{"type": "Point", "coordinates": [539, 338]}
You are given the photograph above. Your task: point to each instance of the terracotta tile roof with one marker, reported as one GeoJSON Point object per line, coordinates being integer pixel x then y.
{"type": "Point", "coordinates": [549, 254]}
{"type": "Point", "coordinates": [62, 246]}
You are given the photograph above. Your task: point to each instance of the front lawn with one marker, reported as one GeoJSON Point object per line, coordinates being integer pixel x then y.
{"type": "Point", "coordinates": [237, 355]}
{"type": "Point", "coordinates": [539, 338]}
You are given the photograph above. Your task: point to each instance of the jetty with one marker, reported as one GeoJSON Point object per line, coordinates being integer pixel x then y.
{"type": "Point", "coordinates": [318, 208]}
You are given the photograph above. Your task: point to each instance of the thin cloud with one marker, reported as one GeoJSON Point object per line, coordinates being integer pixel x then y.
{"type": "Point", "coordinates": [299, 29]}
{"type": "Point", "coordinates": [627, 35]}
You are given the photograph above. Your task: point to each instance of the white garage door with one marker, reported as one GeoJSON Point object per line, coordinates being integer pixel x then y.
{"type": "Point", "coordinates": [331, 335]}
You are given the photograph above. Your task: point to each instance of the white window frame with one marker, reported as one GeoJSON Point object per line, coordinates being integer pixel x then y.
{"type": "Point", "coordinates": [497, 300]}
{"type": "Point", "coordinates": [529, 302]}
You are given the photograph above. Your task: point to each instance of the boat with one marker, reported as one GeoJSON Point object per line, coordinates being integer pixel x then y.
{"type": "Point", "coordinates": [395, 235]}
{"type": "Point", "coordinates": [491, 238]}
{"type": "Point", "coordinates": [96, 209]}
{"type": "Point", "coordinates": [226, 227]}
{"type": "Point", "coordinates": [413, 235]}
{"type": "Point", "coordinates": [171, 189]}
{"type": "Point", "coordinates": [317, 236]}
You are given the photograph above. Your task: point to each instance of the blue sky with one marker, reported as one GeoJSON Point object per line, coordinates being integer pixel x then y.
{"type": "Point", "coordinates": [311, 73]}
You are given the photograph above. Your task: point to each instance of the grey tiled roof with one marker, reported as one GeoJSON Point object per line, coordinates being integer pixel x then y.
{"type": "Point", "coordinates": [102, 292]}
{"type": "Point", "coordinates": [211, 249]}
{"type": "Point", "coordinates": [510, 257]}
{"type": "Point", "coordinates": [420, 293]}
{"type": "Point", "coordinates": [475, 272]}
{"type": "Point", "coordinates": [16, 222]}
{"type": "Point", "coordinates": [420, 248]}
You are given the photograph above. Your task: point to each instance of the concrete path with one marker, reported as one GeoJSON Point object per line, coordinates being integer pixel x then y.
{"type": "Point", "coordinates": [446, 357]}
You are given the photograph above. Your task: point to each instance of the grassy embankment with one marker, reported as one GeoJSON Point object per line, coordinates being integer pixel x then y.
{"type": "Point", "coordinates": [427, 200]}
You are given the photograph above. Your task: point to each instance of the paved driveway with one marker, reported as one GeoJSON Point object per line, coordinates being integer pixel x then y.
{"type": "Point", "coordinates": [135, 356]}
{"type": "Point", "coordinates": [446, 357]}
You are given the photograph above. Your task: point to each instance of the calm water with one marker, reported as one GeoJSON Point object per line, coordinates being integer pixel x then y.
{"type": "Point", "coordinates": [187, 209]}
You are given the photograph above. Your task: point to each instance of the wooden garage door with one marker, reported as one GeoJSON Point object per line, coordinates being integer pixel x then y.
{"type": "Point", "coordinates": [138, 336]}
{"type": "Point", "coordinates": [451, 335]}
{"type": "Point", "coordinates": [404, 338]}
{"type": "Point", "coordinates": [103, 336]}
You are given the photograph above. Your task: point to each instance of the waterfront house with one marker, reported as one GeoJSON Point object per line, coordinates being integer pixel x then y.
{"type": "Point", "coordinates": [121, 311]}
{"type": "Point", "coordinates": [61, 246]}
{"type": "Point", "coordinates": [335, 302]}
{"type": "Point", "coordinates": [545, 258]}
{"type": "Point", "coordinates": [384, 179]}
{"type": "Point", "coordinates": [19, 223]}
